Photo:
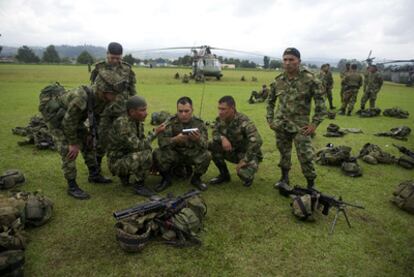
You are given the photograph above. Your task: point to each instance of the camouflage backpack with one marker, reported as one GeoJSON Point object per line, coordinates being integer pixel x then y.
{"type": "Point", "coordinates": [331, 115]}
{"type": "Point", "coordinates": [396, 112]}
{"type": "Point", "coordinates": [373, 154]}
{"type": "Point", "coordinates": [38, 208]}
{"type": "Point", "coordinates": [333, 155]}
{"type": "Point", "coordinates": [372, 112]}
{"type": "Point", "coordinates": [406, 161]}
{"type": "Point", "coordinates": [50, 105]}
{"type": "Point", "coordinates": [400, 133]}
{"type": "Point", "coordinates": [351, 168]}
{"type": "Point", "coordinates": [404, 196]}
{"type": "Point", "coordinates": [334, 130]}
{"type": "Point", "coordinates": [10, 178]}
{"type": "Point", "coordinates": [12, 239]}
{"type": "Point", "coordinates": [12, 263]}
{"type": "Point", "coordinates": [303, 206]}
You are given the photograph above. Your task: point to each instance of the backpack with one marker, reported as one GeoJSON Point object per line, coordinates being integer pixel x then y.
{"type": "Point", "coordinates": [333, 155]}
{"type": "Point", "coordinates": [396, 112]}
{"type": "Point", "coordinates": [10, 178]}
{"type": "Point", "coordinates": [50, 105]}
{"type": "Point", "coordinates": [376, 154]}
{"type": "Point", "coordinates": [303, 206]}
{"type": "Point", "coordinates": [406, 161]}
{"type": "Point", "coordinates": [404, 196]}
{"type": "Point", "coordinates": [38, 208]}
{"type": "Point", "coordinates": [11, 263]}
{"type": "Point", "coordinates": [351, 168]}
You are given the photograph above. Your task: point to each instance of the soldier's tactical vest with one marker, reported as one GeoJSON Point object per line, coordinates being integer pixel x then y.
{"type": "Point", "coordinates": [10, 178]}
{"type": "Point", "coordinates": [50, 104]}
{"type": "Point", "coordinates": [333, 155]}
{"type": "Point", "coordinates": [373, 154]}
{"type": "Point", "coordinates": [396, 112]}
{"type": "Point", "coordinates": [11, 263]}
{"type": "Point", "coordinates": [404, 196]}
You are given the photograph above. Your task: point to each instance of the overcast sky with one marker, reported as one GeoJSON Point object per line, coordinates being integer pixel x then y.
{"type": "Point", "coordinates": [328, 29]}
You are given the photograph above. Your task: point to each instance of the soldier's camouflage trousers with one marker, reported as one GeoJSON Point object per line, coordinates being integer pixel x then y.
{"type": "Point", "coordinates": [329, 95]}
{"type": "Point", "coordinates": [219, 156]}
{"type": "Point", "coordinates": [69, 166]}
{"type": "Point", "coordinates": [370, 95]}
{"type": "Point", "coordinates": [349, 99]}
{"type": "Point", "coordinates": [304, 151]}
{"type": "Point", "coordinates": [342, 94]}
{"type": "Point", "coordinates": [136, 164]}
{"type": "Point", "coordinates": [167, 158]}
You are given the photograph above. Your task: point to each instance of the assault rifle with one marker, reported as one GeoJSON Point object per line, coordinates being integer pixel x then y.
{"type": "Point", "coordinates": [326, 201]}
{"type": "Point", "coordinates": [404, 150]}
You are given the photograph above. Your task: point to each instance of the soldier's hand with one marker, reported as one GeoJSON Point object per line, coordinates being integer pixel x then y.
{"type": "Point", "coordinates": [308, 130]}
{"type": "Point", "coordinates": [180, 138]}
{"type": "Point", "coordinates": [195, 136]}
{"type": "Point", "coordinates": [240, 165]}
{"type": "Point", "coordinates": [226, 144]}
{"type": "Point", "coordinates": [73, 151]}
{"type": "Point", "coordinates": [160, 128]}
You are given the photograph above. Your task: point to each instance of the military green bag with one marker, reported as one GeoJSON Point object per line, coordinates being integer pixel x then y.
{"type": "Point", "coordinates": [12, 263]}
{"type": "Point", "coordinates": [11, 212]}
{"type": "Point", "coordinates": [12, 239]}
{"type": "Point", "coordinates": [50, 105]}
{"type": "Point", "coordinates": [376, 154]}
{"type": "Point", "coordinates": [406, 161]}
{"type": "Point", "coordinates": [400, 133]}
{"type": "Point", "coordinates": [334, 130]}
{"type": "Point", "coordinates": [372, 112]}
{"type": "Point", "coordinates": [38, 208]}
{"type": "Point", "coordinates": [303, 207]}
{"type": "Point", "coordinates": [404, 196]}
{"type": "Point", "coordinates": [10, 178]}
{"type": "Point", "coordinates": [333, 155]}
{"type": "Point", "coordinates": [396, 112]}
{"type": "Point", "coordinates": [351, 168]}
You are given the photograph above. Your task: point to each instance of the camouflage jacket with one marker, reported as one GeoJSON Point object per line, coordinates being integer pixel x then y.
{"type": "Point", "coordinates": [344, 73]}
{"type": "Point", "coordinates": [175, 127]}
{"type": "Point", "coordinates": [329, 80]}
{"type": "Point", "coordinates": [242, 134]}
{"type": "Point", "coordinates": [373, 82]}
{"type": "Point", "coordinates": [264, 93]}
{"type": "Point", "coordinates": [294, 105]}
{"type": "Point", "coordinates": [352, 81]}
{"type": "Point", "coordinates": [127, 136]}
{"type": "Point", "coordinates": [75, 102]}
{"type": "Point", "coordinates": [122, 75]}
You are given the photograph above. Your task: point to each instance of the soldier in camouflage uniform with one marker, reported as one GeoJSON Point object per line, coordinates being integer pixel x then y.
{"type": "Point", "coordinates": [72, 136]}
{"type": "Point", "coordinates": [351, 83]}
{"type": "Point", "coordinates": [325, 76]}
{"type": "Point", "coordinates": [119, 73]}
{"type": "Point", "coordinates": [295, 88]}
{"type": "Point", "coordinates": [259, 96]}
{"type": "Point", "coordinates": [177, 148]}
{"type": "Point", "coordinates": [235, 139]}
{"type": "Point", "coordinates": [342, 75]}
{"type": "Point", "coordinates": [372, 85]}
{"type": "Point", "coordinates": [129, 151]}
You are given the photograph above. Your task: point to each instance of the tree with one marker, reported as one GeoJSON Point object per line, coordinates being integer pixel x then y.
{"type": "Point", "coordinates": [50, 55]}
{"type": "Point", "coordinates": [129, 59]}
{"type": "Point", "coordinates": [274, 64]}
{"type": "Point", "coordinates": [26, 55]}
{"type": "Point", "coordinates": [266, 62]}
{"type": "Point", "coordinates": [85, 58]}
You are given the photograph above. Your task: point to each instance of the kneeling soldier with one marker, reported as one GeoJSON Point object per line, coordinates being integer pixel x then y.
{"type": "Point", "coordinates": [129, 151]}
{"type": "Point", "coordinates": [236, 139]}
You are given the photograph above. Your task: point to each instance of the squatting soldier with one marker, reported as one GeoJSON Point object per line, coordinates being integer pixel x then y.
{"type": "Point", "coordinates": [259, 96]}
{"type": "Point", "coordinates": [295, 88]}
{"type": "Point", "coordinates": [177, 76]}
{"type": "Point", "coordinates": [129, 151]}
{"type": "Point", "coordinates": [372, 85]}
{"type": "Point", "coordinates": [71, 135]}
{"type": "Point", "coordinates": [185, 79]}
{"type": "Point", "coordinates": [178, 148]}
{"type": "Point", "coordinates": [325, 76]}
{"type": "Point", "coordinates": [351, 84]}
{"type": "Point", "coordinates": [343, 74]}
{"type": "Point", "coordinates": [236, 139]}
{"type": "Point", "coordinates": [113, 70]}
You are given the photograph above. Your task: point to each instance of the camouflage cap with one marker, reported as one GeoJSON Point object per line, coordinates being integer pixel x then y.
{"type": "Point", "coordinates": [292, 51]}
{"type": "Point", "coordinates": [136, 102]}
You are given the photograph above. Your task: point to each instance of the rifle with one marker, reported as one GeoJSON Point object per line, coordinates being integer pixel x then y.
{"type": "Point", "coordinates": [404, 150]}
{"type": "Point", "coordinates": [324, 200]}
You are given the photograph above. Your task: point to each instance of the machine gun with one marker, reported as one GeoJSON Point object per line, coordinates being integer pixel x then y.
{"type": "Point", "coordinates": [404, 150]}
{"type": "Point", "coordinates": [324, 200]}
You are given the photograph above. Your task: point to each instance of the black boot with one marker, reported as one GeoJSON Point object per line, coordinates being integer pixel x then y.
{"type": "Point", "coordinates": [331, 106]}
{"type": "Point", "coordinates": [284, 178]}
{"type": "Point", "coordinates": [165, 182]}
{"type": "Point", "coordinates": [124, 180]}
{"type": "Point", "coordinates": [311, 183]}
{"type": "Point", "coordinates": [248, 183]}
{"type": "Point", "coordinates": [75, 191]}
{"type": "Point", "coordinates": [224, 175]}
{"type": "Point", "coordinates": [196, 181]}
{"type": "Point", "coordinates": [142, 190]}
{"type": "Point", "coordinates": [349, 113]}
{"type": "Point", "coordinates": [95, 176]}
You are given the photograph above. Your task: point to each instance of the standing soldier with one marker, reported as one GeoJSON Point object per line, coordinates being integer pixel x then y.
{"type": "Point", "coordinates": [325, 76]}
{"type": "Point", "coordinates": [67, 126]}
{"type": "Point", "coordinates": [343, 74]}
{"type": "Point", "coordinates": [372, 85]}
{"type": "Point", "coordinates": [295, 88]}
{"type": "Point", "coordinates": [351, 84]}
{"type": "Point", "coordinates": [120, 74]}
{"type": "Point", "coordinates": [184, 142]}
{"type": "Point", "coordinates": [235, 139]}
{"type": "Point", "coordinates": [129, 151]}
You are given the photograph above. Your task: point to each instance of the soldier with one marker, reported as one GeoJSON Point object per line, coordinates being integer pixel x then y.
{"type": "Point", "coordinates": [259, 96]}
{"type": "Point", "coordinates": [185, 79]}
{"type": "Point", "coordinates": [351, 84]}
{"type": "Point", "coordinates": [329, 85]}
{"type": "Point", "coordinates": [120, 74]}
{"type": "Point", "coordinates": [342, 75]}
{"type": "Point", "coordinates": [176, 147]}
{"type": "Point", "coordinates": [177, 76]}
{"type": "Point", "coordinates": [71, 135]}
{"type": "Point", "coordinates": [372, 85]}
{"type": "Point", "coordinates": [129, 151]}
{"type": "Point", "coordinates": [295, 88]}
{"type": "Point", "coordinates": [235, 139]}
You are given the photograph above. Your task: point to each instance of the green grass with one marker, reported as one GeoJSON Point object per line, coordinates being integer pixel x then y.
{"type": "Point", "coordinates": [248, 231]}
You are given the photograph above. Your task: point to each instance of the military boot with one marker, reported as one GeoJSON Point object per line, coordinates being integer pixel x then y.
{"type": "Point", "coordinates": [285, 176]}
{"type": "Point", "coordinates": [75, 191]}
{"type": "Point", "coordinates": [124, 180]}
{"type": "Point", "coordinates": [141, 189]}
{"type": "Point", "coordinates": [224, 175]}
{"type": "Point", "coordinates": [311, 183]}
{"type": "Point", "coordinates": [349, 113]}
{"type": "Point", "coordinates": [196, 181]}
{"type": "Point", "coordinates": [331, 106]}
{"type": "Point", "coordinates": [165, 182]}
{"type": "Point", "coordinates": [96, 177]}
{"type": "Point", "coordinates": [341, 112]}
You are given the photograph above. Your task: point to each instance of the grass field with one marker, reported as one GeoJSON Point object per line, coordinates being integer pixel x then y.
{"type": "Point", "coordinates": [248, 231]}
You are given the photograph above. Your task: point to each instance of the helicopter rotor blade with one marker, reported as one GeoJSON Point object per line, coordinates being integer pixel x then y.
{"type": "Point", "coordinates": [369, 55]}
{"type": "Point", "coordinates": [243, 52]}
{"type": "Point", "coordinates": [164, 49]}
{"type": "Point", "coordinates": [399, 61]}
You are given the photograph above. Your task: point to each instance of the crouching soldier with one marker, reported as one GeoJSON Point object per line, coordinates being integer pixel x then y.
{"type": "Point", "coordinates": [236, 139]}
{"type": "Point", "coordinates": [129, 151]}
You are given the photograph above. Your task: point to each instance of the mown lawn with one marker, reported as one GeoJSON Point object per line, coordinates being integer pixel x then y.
{"type": "Point", "coordinates": [248, 231]}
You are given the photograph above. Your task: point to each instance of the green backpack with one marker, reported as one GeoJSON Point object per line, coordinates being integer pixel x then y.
{"type": "Point", "coordinates": [38, 208]}
{"type": "Point", "coordinates": [333, 155]}
{"type": "Point", "coordinates": [50, 105]}
{"type": "Point", "coordinates": [304, 206]}
{"type": "Point", "coordinates": [12, 263]}
{"type": "Point", "coordinates": [375, 155]}
{"type": "Point", "coordinates": [396, 112]}
{"type": "Point", "coordinates": [404, 196]}
{"type": "Point", "coordinates": [10, 178]}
